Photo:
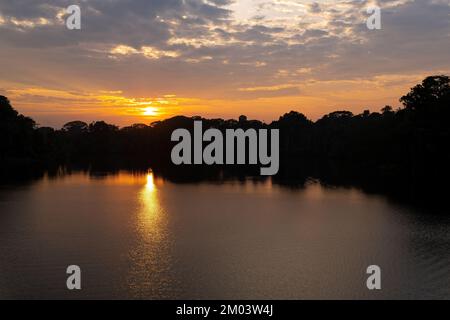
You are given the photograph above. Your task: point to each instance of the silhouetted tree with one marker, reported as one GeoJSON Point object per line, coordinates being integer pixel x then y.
{"type": "Point", "coordinates": [75, 127]}
{"type": "Point", "coordinates": [387, 110]}
{"type": "Point", "coordinates": [433, 90]}
{"type": "Point", "coordinates": [399, 151]}
{"type": "Point", "coordinates": [102, 127]}
{"type": "Point", "coordinates": [16, 132]}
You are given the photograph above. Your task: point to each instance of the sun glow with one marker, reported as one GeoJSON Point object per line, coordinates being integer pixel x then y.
{"type": "Point", "coordinates": [150, 111]}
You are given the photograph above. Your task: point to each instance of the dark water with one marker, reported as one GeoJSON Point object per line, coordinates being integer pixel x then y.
{"type": "Point", "coordinates": [137, 236]}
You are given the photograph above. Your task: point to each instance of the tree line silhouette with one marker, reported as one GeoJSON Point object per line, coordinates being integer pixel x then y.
{"type": "Point", "coordinates": [402, 152]}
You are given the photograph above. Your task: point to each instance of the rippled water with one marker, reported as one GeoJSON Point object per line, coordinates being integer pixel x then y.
{"type": "Point", "coordinates": [137, 236]}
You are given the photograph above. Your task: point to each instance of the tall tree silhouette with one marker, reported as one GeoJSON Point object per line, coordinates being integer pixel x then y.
{"type": "Point", "coordinates": [16, 132]}
{"type": "Point", "coordinates": [434, 91]}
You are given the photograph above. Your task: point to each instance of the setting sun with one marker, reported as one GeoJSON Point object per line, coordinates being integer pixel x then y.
{"type": "Point", "coordinates": [150, 111]}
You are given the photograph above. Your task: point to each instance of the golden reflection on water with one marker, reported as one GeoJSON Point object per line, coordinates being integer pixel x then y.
{"type": "Point", "coordinates": [150, 185]}
{"type": "Point", "coordinates": [151, 215]}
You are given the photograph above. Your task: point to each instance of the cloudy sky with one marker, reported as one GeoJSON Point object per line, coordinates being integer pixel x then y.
{"type": "Point", "coordinates": [144, 60]}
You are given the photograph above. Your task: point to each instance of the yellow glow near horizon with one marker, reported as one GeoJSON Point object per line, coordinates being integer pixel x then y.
{"type": "Point", "coordinates": [315, 99]}
{"type": "Point", "coordinates": [150, 111]}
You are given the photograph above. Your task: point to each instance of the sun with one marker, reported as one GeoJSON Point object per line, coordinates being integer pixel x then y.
{"type": "Point", "coordinates": [150, 111]}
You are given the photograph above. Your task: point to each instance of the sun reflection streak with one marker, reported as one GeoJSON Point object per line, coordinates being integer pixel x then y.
{"type": "Point", "coordinates": [151, 256]}
{"type": "Point", "coordinates": [151, 213]}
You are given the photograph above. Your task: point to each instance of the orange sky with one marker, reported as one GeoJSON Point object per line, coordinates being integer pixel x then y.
{"type": "Point", "coordinates": [140, 61]}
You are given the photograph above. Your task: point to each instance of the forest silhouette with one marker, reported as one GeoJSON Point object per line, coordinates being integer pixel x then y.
{"type": "Point", "coordinates": [402, 152]}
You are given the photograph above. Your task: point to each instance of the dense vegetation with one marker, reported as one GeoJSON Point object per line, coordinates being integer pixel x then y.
{"type": "Point", "coordinates": [404, 151]}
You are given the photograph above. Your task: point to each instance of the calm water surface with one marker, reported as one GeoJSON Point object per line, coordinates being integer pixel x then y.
{"type": "Point", "coordinates": [138, 236]}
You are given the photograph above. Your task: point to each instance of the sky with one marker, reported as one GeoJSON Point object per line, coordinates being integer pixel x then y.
{"type": "Point", "coordinates": [139, 61]}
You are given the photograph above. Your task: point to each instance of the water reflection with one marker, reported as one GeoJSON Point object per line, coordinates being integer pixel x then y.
{"type": "Point", "coordinates": [150, 275]}
{"type": "Point", "coordinates": [151, 222]}
{"type": "Point", "coordinates": [139, 236]}
{"type": "Point", "coordinates": [150, 185]}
